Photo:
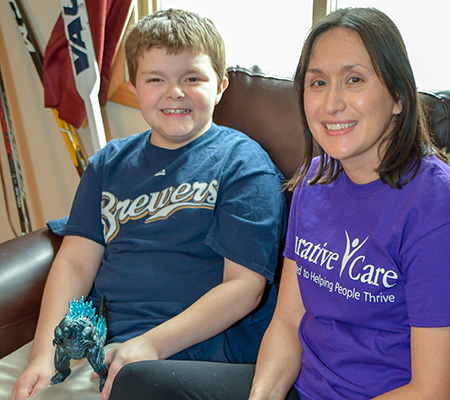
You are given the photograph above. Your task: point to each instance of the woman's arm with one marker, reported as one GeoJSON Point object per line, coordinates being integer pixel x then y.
{"type": "Point", "coordinates": [71, 276]}
{"type": "Point", "coordinates": [218, 309]}
{"type": "Point", "coordinates": [430, 367]}
{"type": "Point", "coordinates": [278, 362]}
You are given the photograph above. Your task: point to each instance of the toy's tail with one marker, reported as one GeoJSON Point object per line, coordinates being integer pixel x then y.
{"type": "Point", "coordinates": [102, 318]}
{"type": "Point", "coordinates": [102, 308]}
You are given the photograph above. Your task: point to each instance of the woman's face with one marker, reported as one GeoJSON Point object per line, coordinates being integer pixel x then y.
{"type": "Point", "coordinates": [348, 107]}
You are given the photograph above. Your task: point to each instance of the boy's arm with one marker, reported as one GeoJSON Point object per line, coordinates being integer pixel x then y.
{"type": "Point", "coordinates": [278, 362]}
{"type": "Point", "coordinates": [71, 276]}
{"type": "Point", "coordinates": [218, 309]}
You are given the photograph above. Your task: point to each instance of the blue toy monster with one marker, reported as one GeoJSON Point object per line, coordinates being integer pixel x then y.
{"type": "Point", "coordinates": [81, 334]}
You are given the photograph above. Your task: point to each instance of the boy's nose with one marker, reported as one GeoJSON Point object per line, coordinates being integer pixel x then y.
{"type": "Point", "coordinates": [175, 92]}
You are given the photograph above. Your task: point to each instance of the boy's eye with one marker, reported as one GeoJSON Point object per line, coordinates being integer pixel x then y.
{"type": "Point", "coordinates": [192, 79]}
{"type": "Point", "coordinates": [318, 83]}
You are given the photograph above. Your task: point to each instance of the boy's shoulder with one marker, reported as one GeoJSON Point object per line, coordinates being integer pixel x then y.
{"type": "Point", "coordinates": [136, 139]}
{"type": "Point", "coordinates": [238, 151]}
{"type": "Point", "coordinates": [224, 142]}
{"type": "Point", "coordinates": [231, 137]}
{"type": "Point", "coordinates": [240, 144]}
{"type": "Point", "coordinates": [122, 146]}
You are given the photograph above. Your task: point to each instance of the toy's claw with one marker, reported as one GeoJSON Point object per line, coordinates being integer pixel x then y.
{"type": "Point", "coordinates": [59, 377]}
{"type": "Point", "coordinates": [102, 382]}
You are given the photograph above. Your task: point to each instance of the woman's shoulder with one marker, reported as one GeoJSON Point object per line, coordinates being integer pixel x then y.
{"type": "Point", "coordinates": [428, 194]}
{"type": "Point", "coordinates": [433, 173]}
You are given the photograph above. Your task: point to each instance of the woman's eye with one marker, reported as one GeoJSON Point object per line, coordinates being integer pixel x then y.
{"type": "Point", "coordinates": [355, 79]}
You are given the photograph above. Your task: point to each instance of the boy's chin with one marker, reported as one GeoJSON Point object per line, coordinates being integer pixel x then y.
{"type": "Point", "coordinates": [174, 140]}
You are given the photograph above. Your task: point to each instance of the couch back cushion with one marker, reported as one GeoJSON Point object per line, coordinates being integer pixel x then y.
{"type": "Point", "coordinates": [265, 108]}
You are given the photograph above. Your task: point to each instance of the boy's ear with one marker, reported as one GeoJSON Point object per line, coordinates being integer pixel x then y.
{"type": "Point", "coordinates": [223, 86]}
{"type": "Point", "coordinates": [132, 88]}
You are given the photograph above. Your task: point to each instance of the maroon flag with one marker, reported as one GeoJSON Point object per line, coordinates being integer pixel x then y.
{"type": "Point", "coordinates": [106, 20]}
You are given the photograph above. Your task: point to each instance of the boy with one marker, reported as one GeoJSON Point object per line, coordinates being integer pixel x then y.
{"type": "Point", "coordinates": [178, 226]}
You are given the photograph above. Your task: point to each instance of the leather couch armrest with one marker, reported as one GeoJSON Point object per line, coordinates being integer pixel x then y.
{"type": "Point", "coordinates": [24, 265]}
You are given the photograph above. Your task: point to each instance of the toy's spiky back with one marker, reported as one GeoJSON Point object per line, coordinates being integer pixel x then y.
{"type": "Point", "coordinates": [81, 308]}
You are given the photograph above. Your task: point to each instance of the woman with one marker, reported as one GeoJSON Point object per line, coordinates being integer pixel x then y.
{"type": "Point", "coordinates": [366, 273]}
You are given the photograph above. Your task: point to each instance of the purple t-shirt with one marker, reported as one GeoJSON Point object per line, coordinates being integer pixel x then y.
{"type": "Point", "coordinates": [372, 261]}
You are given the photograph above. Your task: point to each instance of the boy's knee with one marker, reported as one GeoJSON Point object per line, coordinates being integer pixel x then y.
{"type": "Point", "coordinates": [173, 379]}
{"type": "Point", "coordinates": [142, 379]}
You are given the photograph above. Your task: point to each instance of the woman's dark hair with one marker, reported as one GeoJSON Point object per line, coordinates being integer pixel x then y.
{"type": "Point", "coordinates": [410, 139]}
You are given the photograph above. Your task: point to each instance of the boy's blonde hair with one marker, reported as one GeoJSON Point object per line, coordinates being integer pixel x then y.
{"type": "Point", "coordinates": [176, 31]}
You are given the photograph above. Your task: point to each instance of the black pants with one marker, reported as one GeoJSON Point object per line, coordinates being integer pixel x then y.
{"type": "Point", "coordinates": [185, 380]}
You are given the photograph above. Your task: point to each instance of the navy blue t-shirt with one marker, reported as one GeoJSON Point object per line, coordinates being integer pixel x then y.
{"type": "Point", "coordinates": [167, 219]}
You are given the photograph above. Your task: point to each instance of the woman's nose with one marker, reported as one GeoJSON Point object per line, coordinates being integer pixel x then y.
{"type": "Point", "coordinates": [335, 99]}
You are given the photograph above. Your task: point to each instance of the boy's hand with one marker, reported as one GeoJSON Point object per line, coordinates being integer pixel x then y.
{"type": "Point", "coordinates": [137, 349]}
{"type": "Point", "coordinates": [34, 378]}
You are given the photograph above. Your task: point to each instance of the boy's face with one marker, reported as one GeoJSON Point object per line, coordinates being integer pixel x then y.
{"type": "Point", "coordinates": [177, 94]}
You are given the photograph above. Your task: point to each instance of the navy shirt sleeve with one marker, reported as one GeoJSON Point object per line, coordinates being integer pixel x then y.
{"type": "Point", "coordinates": [249, 218]}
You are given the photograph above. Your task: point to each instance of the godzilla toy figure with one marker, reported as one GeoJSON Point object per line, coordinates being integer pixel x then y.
{"type": "Point", "coordinates": [81, 334]}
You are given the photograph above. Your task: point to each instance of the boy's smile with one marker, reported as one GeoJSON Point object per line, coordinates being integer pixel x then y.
{"type": "Point", "coordinates": [177, 94]}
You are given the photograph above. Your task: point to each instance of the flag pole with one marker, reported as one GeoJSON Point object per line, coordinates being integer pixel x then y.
{"type": "Point", "coordinates": [84, 65]}
{"type": "Point", "coordinates": [30, 41]}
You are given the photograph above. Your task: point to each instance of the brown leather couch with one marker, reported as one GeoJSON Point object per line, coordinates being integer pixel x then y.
{"type": "Point", "coordinates": [264, 107]}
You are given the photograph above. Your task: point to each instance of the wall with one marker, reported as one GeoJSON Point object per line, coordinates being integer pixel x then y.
{"type": "Point", "coordinates": [49, 174]}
